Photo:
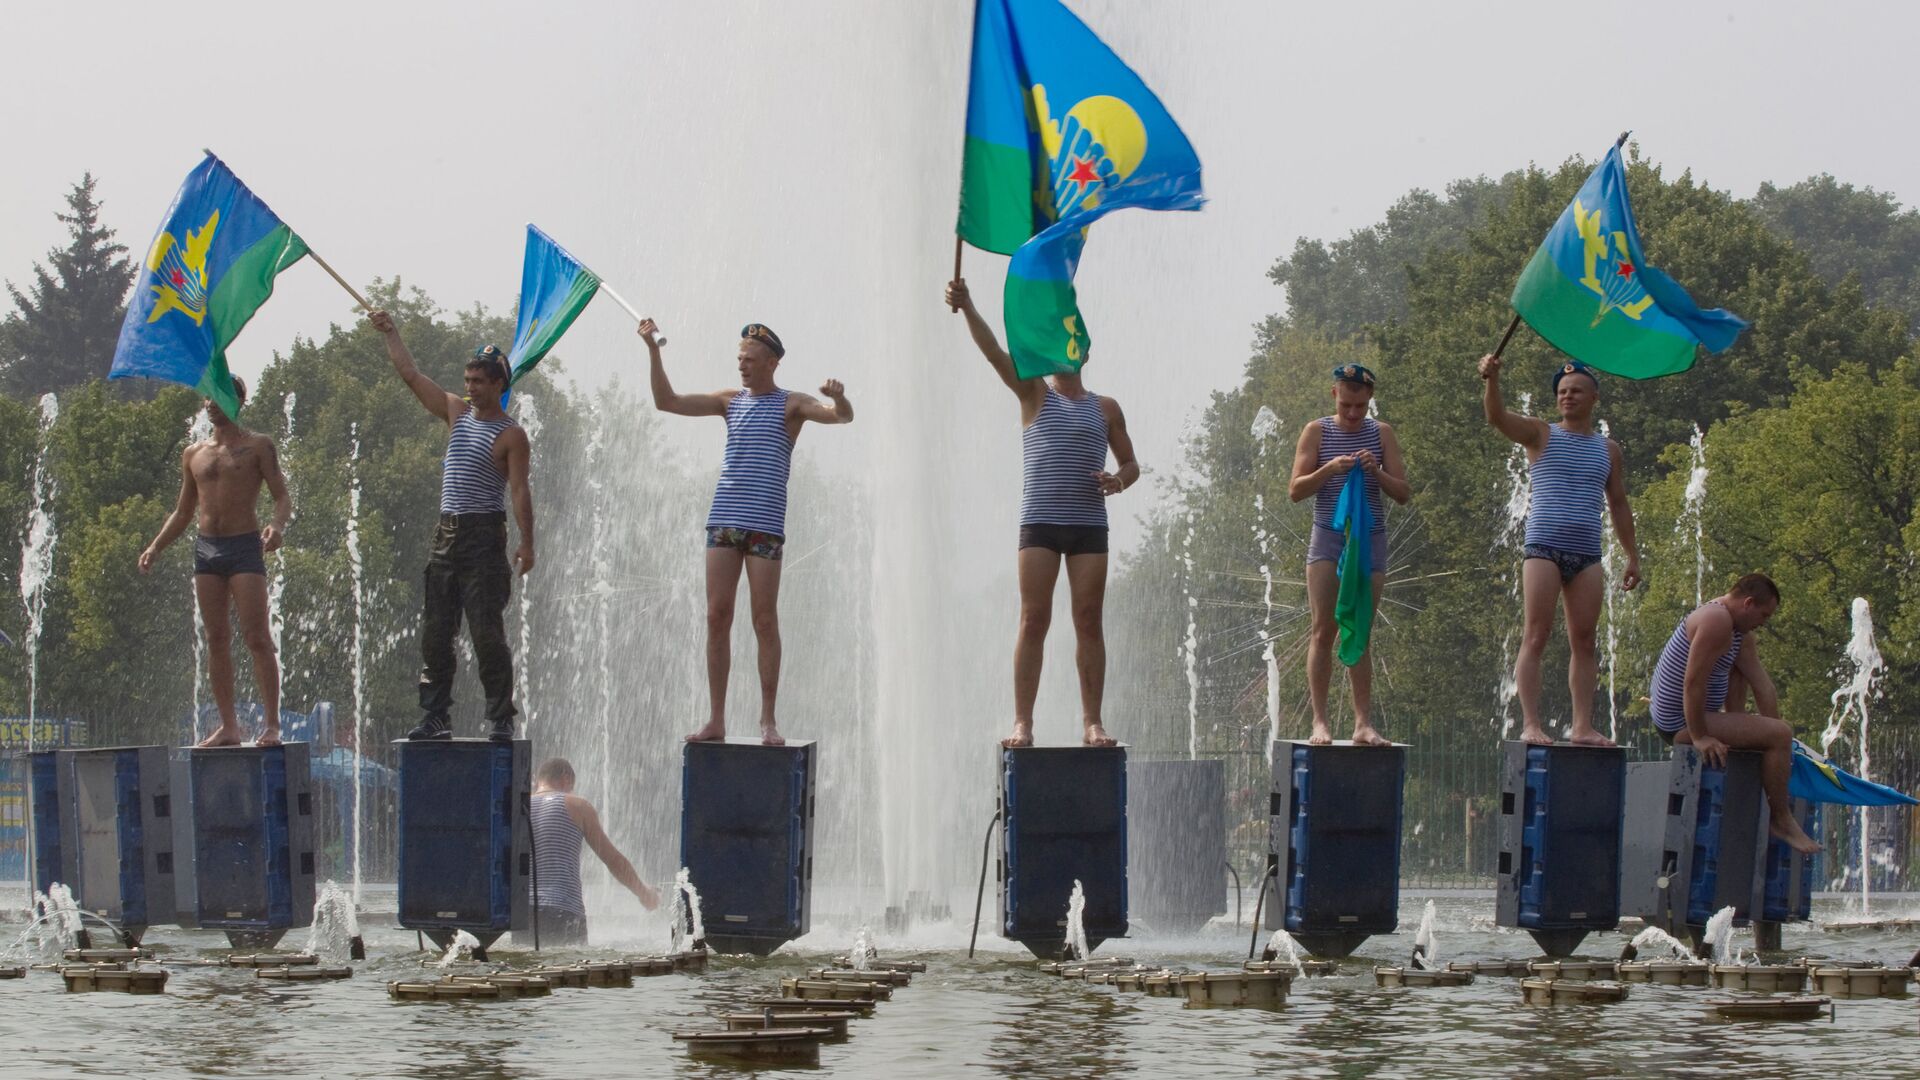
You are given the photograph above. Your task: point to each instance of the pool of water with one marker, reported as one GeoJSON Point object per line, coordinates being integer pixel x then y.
{"type": "Point", "coordinates": [992, 1014]}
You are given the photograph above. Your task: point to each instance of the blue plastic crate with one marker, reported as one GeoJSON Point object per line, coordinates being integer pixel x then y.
{"type": "Point", "coordinates": [49, 853]}
{"type": "Point", "coordinates": [1569, 858]}
{"type": "Point", "coordinates": [1064, 819]}
{"type": "Point", "coordinates": [1778, 901]}
{"type": "Point", "coordinates": [1343, 839]}
{"type": "Point", "coordinates": [245, 837]}
{"type": "Point", "coordinates": [746, 839]}
{"type": "Point", "coordinates": [464, 857]}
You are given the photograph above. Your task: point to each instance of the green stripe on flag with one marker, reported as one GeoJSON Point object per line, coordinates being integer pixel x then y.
{"type": "Point", "coordinates": [1045, 334]}
{"type": "Point", "coordinates": [247, 284]}
{"type": "Point", "coordinates": [996, 196]}
{"type": "Point", "coordinates": [1563, 311]}
{"type": "Point", "coordinates": [543, 338]}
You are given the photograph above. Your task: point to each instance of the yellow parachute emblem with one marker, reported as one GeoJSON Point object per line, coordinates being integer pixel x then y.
{"type": "Point", "coordinates": [180, 272]}
{"type": "Point", "coordinates": [1103, 142]}
{"type": "Point", "coordinates": [1609, 275]}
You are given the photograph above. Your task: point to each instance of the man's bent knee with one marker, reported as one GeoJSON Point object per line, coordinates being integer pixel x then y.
{"type": "Point", "coordinates": [766, 623]}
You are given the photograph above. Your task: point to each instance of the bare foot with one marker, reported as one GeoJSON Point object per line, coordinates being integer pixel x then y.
{"type": "Point", "coordinates": [715, 731]}
{"type": "Point", "coordinates": [1790, 833]}
{"type": "Point", "coordinates": [1364, 735]}
{"type": "Point", "coordinates": [1022, 735]}
{"type": "Point", "coordinates": [770, 736]}
{"type": "Point", "coordinates": [1322, 734]}
{"type": "Point", "coordinates": [269, 736]}
{"type": "Point", "coordinates": [224, 735]}
{"type": "Point", "coordinates": [1097, 736]}
{"type": "Point", "coordinates": [1590, 737]}
{"type": "Point", "coordinates": [1536, 735]}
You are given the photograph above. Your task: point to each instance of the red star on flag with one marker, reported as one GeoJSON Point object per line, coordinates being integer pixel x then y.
{"type": "Point", "coordinates": [1083, 172]}
{"type": "Point", "coordinates": [1626, 269]}
{"type": "Point", "coordinates": [179, 279]}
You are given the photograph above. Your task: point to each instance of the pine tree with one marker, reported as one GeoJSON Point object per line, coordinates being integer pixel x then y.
{"type": "Point", "coordinates": [63, 328]}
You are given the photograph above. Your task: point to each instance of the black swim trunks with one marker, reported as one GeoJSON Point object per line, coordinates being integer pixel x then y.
{"type": "Point", "coordinates": [225, 556]}
{"type": "Point", "coordinates": [1065, 539]}
{"type": "Point", "coordinates": [1571, 565]}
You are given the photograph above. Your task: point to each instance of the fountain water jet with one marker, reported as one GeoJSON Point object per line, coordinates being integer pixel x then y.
{"type": "Point", "coordinates": [1076, 922]}
{"type": "Point", "coordinates": [1850, 702]}
{"type": "Point", "coordinates": [355, 563]}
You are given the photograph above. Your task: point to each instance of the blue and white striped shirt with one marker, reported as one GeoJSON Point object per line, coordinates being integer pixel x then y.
{"type": "Point", "coordinates": [556, 847]}
{"type": "Point", "coordinates": [1568, 492]}
{"type": "Point", "coordinates": [1061, 451]}
{"type": "Point", "coordinates": [1668, 700]}
{"type": "Point", "coordinates": [752, 492]}
{"type": "Point", "coordinates": [1333, 443]}
{"type": "Point", "coordinates": [470, 483]}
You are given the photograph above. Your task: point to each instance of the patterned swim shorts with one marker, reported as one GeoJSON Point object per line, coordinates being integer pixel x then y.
{"type": "Point", "coordinates": [1571, 563]}
{"type": "Point", "coordinates": [760, 545]}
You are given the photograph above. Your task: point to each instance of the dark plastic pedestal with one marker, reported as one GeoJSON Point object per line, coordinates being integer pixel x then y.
{"type": "Point", "coordinates": [243, 841]}
{"type": "Point", "coordinates": [464, 839]}
{"type": "Point", "coordinates": [1334, 843]}
{"type": "Point", "coordinates": [111, 809]}
{"type": "Point", "coordinates": [1063, 818]}
{"type": "Point", "coordinates": [1561, 810]}
{"type": "Point", "coordinates": [1176, 843]}
{"type": "Point", "coordinates": [1695, 840]}
{"type": "Point", "coordinates": [746, 839]}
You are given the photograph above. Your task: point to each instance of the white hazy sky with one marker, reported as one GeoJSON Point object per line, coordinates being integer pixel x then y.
{"type": "Point", "coordinates": [796, 162]}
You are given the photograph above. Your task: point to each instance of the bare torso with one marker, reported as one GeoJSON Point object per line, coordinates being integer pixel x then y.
{"type": "Point", "coordinates": [228, 472]}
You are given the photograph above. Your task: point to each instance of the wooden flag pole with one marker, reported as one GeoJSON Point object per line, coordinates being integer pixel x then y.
{"type": "Point", "coordinates": [335, 275]}
{"type": "Point", "coordinates": [959, 246]}
{"type": "Point", "coordinates": [1506, 337]}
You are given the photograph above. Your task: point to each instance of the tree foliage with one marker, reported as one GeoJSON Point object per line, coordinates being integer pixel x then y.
{"type": "Point", "coordinates": [63, 327]}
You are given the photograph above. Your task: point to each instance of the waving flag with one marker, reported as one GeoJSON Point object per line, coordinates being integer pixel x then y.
{"type": "Point", "coordinates": [1060, 133]}
{"type": "Point", "coordinates": [554, 288]}
{"type": "Point", "coordinates": [1589, 291]}
{"type": "Point", "coordinates": [1353, 605]}
{"type": "Point", "coordinates": [210, 268]}
{"type": "Point", "coordinates": [1818, 779]}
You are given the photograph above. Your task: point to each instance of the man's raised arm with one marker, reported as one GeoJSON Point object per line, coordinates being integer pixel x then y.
{"type": "Point", "coordinates": [664, 399]}
{"type": "Point", "coordinates": [988, 344]}
{"type": "Point", "coordinates": [1525, 430]}
{"type": "Point", "coordinates": [436, 400]}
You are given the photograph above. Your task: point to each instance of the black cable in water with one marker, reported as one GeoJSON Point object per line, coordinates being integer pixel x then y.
{"type": "Point", "coordinates": [1257, 905]}
{"type": "Point", "coordinates": [1236, 892]}
{"type": "Point", "coordinates": [981, 892]}
{"type": "Point", "coordinates": [533, 857]}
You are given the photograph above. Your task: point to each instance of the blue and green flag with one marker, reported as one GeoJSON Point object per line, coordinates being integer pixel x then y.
{"type": "Point", "coordinates": [1353, 604]}
{"type": "Point", "coordinates": [554, 288]}
{"type": "Point", "coordinates": [1589, 291]}
{"type": "Point", "coordinates": [1817, 779]}
{"type": "Point", "coordinates": [1060, 133]}
{"type": "Point", "coordinates": [210, 268]}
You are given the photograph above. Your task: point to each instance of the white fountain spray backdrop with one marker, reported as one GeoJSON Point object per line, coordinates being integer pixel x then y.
{"type": "Point", "coordinates": [1862, 667]}
{"type": "Point", "coordinates": [36, 554]}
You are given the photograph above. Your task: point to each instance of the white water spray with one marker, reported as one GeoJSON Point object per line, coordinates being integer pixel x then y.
{"type": "Point", "coordinates": [1076, 922]}
{"type": "Point", "coordinates": [687, 927]}
{"type": "Point", "coordinates": [863, 950]}
{"type": "Point", "coordinates": [36, 557]}
{"type": "Point", "coordinates": [460, 948]}
{"type": "Point", "coordinates": [1718, 938]}
{"type": "Point", "coordinates": [1693, 513]}
{"type": "Point", "coordinates": [354, 562]}
{"type": "Point", "coordinates": [1266, 430]}
{"type": "Point", "coordinates": [1283, 947]}
{"type": "Point", "coordinates": [529, 420]}
{"type": "Point", "coordinates": [1850, 703]}
{"type": "Point", "coordinates": [335, 923]}
{"type": "Point", "coordinates": [1653, 936]}
{"type": "Point", "coordinates": [1424, 955]}
{"type": "Point", "coordinates": [199, 429]}
{"type": "Point", "coordinates": [1190, 645]}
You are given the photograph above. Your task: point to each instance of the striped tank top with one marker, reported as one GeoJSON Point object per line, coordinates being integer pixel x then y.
{"type": "Point", "coordinates": [1568, 484]}
{"type": "Point", "coordinates": [1061, 450]}
{"type": "Point", "coordinates": [752, 492]}
{"type": "Point", "coordinates": [556, 845]}
{"type": "Point", "coordinates": [470, 483]}
{"type": "Point", "coordinates": [1335, 442]}
{"type": "Point", "coordinates": [1670, 680]}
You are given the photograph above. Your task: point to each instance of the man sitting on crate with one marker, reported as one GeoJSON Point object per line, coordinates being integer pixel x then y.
{"type": "Point", "coordinates": [1711, 648]}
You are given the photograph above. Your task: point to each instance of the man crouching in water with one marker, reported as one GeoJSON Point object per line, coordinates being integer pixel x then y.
{"type": "Point", "coordinates": [220, 481]}
{"type": "Point", "coordinates": [1711, 648]}
{"type": "Point", "coordinates": [561, 820]}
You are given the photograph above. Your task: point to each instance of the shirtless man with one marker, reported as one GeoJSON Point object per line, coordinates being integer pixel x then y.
{"type": "Point", "coordinates": [1572, 470]}
{"type": "Point", "coordinates": [1328, 450]}
{"type": "Point", "coordinates": [562, 821]}
{"type": "Point", "coordinates": [1066, 432]}
{"type": "Point", "coordinates": [220, 481]}
{"type": "Point", "coordinates": [1712, 651]}
{"type": "Point", "coordinates": [747, 525]}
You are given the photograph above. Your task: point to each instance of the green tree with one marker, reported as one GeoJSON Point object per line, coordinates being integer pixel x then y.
{"type": "Point", "coordinates": [62, 330]}
{"type": "Point", "coordinates": [1844, 230]}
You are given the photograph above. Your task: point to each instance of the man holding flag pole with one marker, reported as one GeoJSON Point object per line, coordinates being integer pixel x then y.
{"type": "Point", "coordinates": [1059, 133]}
{"type": "Point", "coordinates": [1589, 291]}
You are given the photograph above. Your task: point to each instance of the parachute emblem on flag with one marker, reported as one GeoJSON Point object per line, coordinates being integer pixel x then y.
{"type": "Point", "coordinates": [180, 272]}
{"type": "Point", "coordinates": [1609, 267]}
{"type": "Point", "coordinates": [1096, 145]}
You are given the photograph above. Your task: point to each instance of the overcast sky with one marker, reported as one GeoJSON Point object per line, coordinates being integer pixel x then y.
{"type": "Point", "coordinates": [796, 162]}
